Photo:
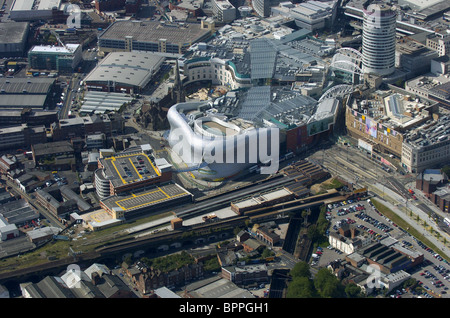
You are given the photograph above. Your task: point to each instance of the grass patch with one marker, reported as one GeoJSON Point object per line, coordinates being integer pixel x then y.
{"type": "Point", "coordinates": [332, 183]}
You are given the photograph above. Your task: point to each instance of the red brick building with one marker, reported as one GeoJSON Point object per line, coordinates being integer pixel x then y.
{"type": "Point", "coordinates": [149, 279]}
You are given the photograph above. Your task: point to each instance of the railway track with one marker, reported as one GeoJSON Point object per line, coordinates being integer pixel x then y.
{"type": "Point", "coordinates": [168, 236]}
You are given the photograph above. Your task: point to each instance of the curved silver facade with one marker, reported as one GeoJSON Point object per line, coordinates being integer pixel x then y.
{"type": "Point", "coordinates": [378, 40]}
{"type": "Point", "coordinates": [214, 148]}
{"type": "Point", "coordinates": [102, 184]}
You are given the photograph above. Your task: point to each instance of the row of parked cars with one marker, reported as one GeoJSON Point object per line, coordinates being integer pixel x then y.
{"type": "Point", "coordinates": [375, 235]}
{"type": "Point", "coordinates": [430, 250]}
{"type": "Point", "coordinates": [378, 224]}
{"type": "Point", "coordinates": [435, 281]}
{"type": "Point", "coordinates": [316, 256]}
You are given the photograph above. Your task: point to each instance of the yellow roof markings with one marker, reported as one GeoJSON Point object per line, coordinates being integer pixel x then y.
{"type": "Point", "coordinates": [136, 196]}
{"type": "Point", "coordinates": [147, 203]}
{"type": "Point", "coordinates": [168, 196]}
{"type": "Point", "coordinates": [154, 169]}
{"type": "Point", "coordinates": [94, 216]}
{"type": "Point", "coordinates": [113, 159]}
{"type": "Point", "coordinates": [135, 168]}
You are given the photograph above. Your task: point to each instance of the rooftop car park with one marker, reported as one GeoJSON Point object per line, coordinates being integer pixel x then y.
{"type": "Point", "coordinates": [147, 200]}
{"type": "Point", "coordinates": [131, 167]}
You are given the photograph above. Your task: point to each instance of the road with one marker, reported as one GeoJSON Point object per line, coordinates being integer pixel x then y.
{"type": "Point", "coordinates": [6, 5]}
{"type": "Point", "coordinates": [70, 94]}
{"type": "Point", "coordinates": [49, 216]}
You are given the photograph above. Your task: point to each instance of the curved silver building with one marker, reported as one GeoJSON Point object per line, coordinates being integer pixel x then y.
{"type": "Point", "coordinates": [214, 147]}
{"type": "Point", "coordinates": [378, 39]}
{"type": "Point", "coordinates": [102, 184]}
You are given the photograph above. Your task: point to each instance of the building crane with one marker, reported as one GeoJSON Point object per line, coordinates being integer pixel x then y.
{"type": "Point", "coordinates": [59, 40]}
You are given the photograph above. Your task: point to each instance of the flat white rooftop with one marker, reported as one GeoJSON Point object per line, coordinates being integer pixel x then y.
{"type": "Point", "coordinates": [69, 49]}
{"type": "Point", "coordinates": [420, 4]}
{"type": "Point", "coordinates": [22, 5]}
{"type": "Point", "coordinates": [48, 4]}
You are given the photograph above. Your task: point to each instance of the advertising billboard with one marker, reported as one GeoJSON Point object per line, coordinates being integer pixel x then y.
{"type": "Point", "coordinates": [371, 127]}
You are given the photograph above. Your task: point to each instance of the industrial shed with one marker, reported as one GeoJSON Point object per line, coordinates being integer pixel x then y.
{"type": "Point", "coordinates": [124, 72]}
{"type": "Point", "coordinates": [100, 102]}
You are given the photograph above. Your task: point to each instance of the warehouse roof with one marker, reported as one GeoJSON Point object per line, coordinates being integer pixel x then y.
{"type": "Point", "coordinates": [52, 148]}
{"type": "Point", "coordinates": [25, 85]}
{"type": "Point", "coordinates": [22, 100]}
{"type": "Point", "coordinates": [150, 31]}
{"type": "Point", "coordinates": [18, 211]}
{"type": "Point", "coordinates": [22, 5]}
{"type": "Point", "coordinates": [13, 32]}
{"type": "Point", "coordinates": [131, 68]}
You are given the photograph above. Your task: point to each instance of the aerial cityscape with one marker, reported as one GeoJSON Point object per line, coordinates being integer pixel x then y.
{"type": "Point", "coordinates": [225, 149]}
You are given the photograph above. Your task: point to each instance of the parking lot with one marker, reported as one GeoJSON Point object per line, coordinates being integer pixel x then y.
{"type": "Point", "coordinates": [433, 274]}
{"type": "Point", "coordinates": [131, 167]}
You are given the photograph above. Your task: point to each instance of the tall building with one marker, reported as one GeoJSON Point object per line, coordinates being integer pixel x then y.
{"type": "Point", "coordinates": [223, 10]}
{"type": "Point", "coordinates": [13, 38]}
{"type": "Point", "coordinates": [439, 42]}
{"type": "Point", "coordinates": [378, 42]}
{"type": "Point", "coordinates": [59, 58]}
{"type": "Point", "coordinates": [263, 7]}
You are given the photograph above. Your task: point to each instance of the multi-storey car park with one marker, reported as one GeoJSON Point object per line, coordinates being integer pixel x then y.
{"type": "Point", "coordinates": [145, 201]}
{"type": "Point", "coordinates": [152, 36]}
{"type": "Point", "coordinates": [128, 171]}
{"type": "Point", "coordinates": [134, 183]}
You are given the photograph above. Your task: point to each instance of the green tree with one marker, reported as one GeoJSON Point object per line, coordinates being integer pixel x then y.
{"type": "Point", "coordinates": [328, 285]}
{"type": "Point", "coordinates": [446, 170]}
{"type": "Point", "coordinates": [322, 222]}
{"type": "Point", "coordinates": [410, 283]}
{"type": "Point", "coordinates": [313, 233]}
{"type": "Point", "coordinates": [300, 287]}
{"type": "Point", "coordinates": [353, 291]}
{"type": "Point", "coordinates": [212, 265]}
{"type": "Point", "coordinates": [301, 269]}
{"type": "Point", "coordinates": [266, 253]}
